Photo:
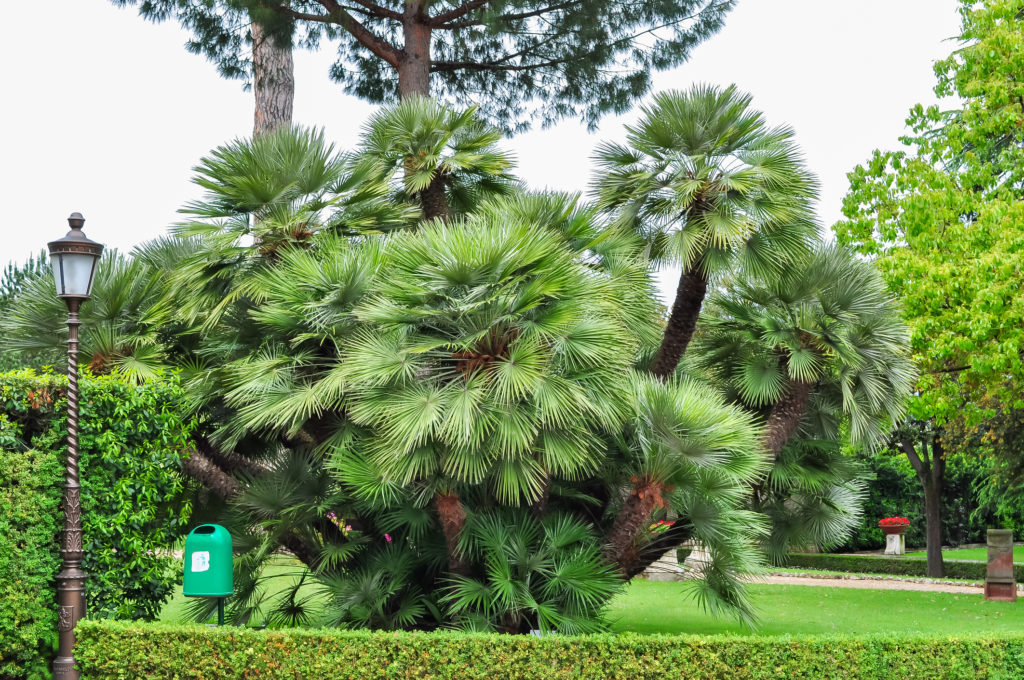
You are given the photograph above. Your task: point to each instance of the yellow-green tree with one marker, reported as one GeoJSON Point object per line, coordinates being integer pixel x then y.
{"type": "Point", "coordinates": [944, 220]}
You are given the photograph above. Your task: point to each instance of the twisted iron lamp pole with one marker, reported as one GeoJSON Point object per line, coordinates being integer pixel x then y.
{"type": "Point", "coordinates": [74, 260]}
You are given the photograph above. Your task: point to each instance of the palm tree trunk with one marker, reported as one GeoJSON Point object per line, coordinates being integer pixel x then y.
{"type": "Point", "coordinates": [650, 553]}
{"type": "Point", "coordinates": [690, 293]}
{"type": "Point", "coordinates": [199, 467]}
{"type": "Point", "coordinates": [784, 419]}
{"type": "Point", "coordinates": [453, 521]}
{"type": "Point", "coordinates": [273, 77]}
{"type": "Point", "coordinates": [620, 545]}
{"type": "Point", "coordinates": [433, 199]}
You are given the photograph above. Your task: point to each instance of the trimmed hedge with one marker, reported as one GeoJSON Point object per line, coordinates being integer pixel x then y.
{"type": "Point", "coordinates": [110, 650]}
{"type": "Point", "coordinates": [898, 566]}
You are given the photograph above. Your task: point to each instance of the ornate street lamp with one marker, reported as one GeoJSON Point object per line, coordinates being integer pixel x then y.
{"type": "Point", "coordinates": [74, 259]}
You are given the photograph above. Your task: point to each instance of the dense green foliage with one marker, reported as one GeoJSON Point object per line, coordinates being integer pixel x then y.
{"type": "Point", "coordinates": [28, 561]}
{"type": "Point", "coordinates": [523, 61]}
{"type": "Point", "coordinates": [12, 283]}
{"type": "Point", "coordinates": [133, 502]}
{"type": "Point", "coordinates": [897, 566]}
{"type": "Point", "coordinates": [942, 219]}
{"type": "Point", "coordinates": [894, 490]}
{"type": "Point", "coordinates": [434, 389]}
{"type": "Point", "coordinates": [114, 651]}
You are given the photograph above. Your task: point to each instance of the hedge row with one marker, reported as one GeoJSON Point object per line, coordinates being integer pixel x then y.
{"type": "Point", "coordinates": [117, 651]}
{"type": "Point", "coordinates": [900, 566]}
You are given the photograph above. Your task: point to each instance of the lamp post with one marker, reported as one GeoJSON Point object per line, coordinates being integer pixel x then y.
{"type": "Point", "coordinates": [74, 260]}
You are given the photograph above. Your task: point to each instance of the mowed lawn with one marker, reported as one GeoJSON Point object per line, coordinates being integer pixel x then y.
{"type": "Point", "coordinates": [977, 554]}
{"type": "Point", "coordinates": [659, 607]}
{"type": "Point", "coordinates": [655, 607]}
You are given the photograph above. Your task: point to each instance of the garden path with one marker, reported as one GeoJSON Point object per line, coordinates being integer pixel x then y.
{"type": "Point", "coordinates": [871, 584]}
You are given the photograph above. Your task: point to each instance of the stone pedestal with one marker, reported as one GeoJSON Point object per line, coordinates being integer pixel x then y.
{"type": "Point", "coordinates": [895, 544]}
{"type": "Point", "coordinates": [999, 582]}
{"type": "Point", "coordinates": [666, 568]}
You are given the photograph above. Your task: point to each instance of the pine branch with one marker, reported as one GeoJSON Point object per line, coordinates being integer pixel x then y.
{"type": "Point", "coordinates": [441, 19]}
{"type": "Point", "coordinates": [337, 15]}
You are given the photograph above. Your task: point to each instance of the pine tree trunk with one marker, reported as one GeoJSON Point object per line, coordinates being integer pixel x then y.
{"type": "Point", "coordinates": [784, 419]}
{"type": "Point", "coordinates": [414, 63]}
{"type": "Point", "coordinates": [621, 548]}
{"type": "Point", "coordinates": [690, 293]}
{"type": "Point", "coordinates": [453, 521]}
{"type": "Point", "coordinates": [273, 82]}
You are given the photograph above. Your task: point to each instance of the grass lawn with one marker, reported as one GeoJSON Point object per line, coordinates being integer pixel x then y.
{"type": "Point", "coordinates": [282, 572]}
{"type": "Point", "coordinates": [977, 554]}
{"type": "Point", "coordinates": [659, 607]}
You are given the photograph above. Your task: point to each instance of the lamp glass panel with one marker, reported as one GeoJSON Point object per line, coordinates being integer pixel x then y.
{"type": "Point", "coordinates": [58, 275]}
{"type": "Point", "coordinates": [75, 271]}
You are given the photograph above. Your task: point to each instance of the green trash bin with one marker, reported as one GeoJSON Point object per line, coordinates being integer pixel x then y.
{"type": "Point", "coordinates": [208, 562]}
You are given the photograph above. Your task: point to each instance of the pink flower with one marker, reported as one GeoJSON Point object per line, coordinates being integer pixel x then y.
{"type": "Point", "coordinates": [348, 528]}
{"type": "Point", "coordinates": [387, 537]}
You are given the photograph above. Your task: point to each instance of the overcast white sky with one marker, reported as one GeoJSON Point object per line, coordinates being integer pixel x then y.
{"type": "Point", "coordinates": [106, 114]}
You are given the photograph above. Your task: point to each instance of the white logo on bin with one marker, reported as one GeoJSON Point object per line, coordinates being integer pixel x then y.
{"type": "Point", "coordinates": [200, 561]}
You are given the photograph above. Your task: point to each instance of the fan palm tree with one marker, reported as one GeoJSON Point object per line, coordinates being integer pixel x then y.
{"type": "Point", "coordinates": [489, 356]}
{"type": "Point", "coordinates": [820, 344]}
{"type": "Point", "coordinates": [538, 574]}
{"type": "Point", "coordinates": [708, 186]}
{"type": "Point", "coordinates": [120, 325]}
{"type": "Point", "coordinates": [691, 455]}
{"type": "Point", "coordinates": [448, 159]}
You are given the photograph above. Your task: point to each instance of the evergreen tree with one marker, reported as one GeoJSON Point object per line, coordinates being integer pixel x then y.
{"type": "Point", "coordinates": [522, 61]}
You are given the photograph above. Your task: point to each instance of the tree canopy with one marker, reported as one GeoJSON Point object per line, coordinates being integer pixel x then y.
{"type": "Point", "coordinates": [523, 62]}
{"type": "Point", "coordinates": [944, 222]}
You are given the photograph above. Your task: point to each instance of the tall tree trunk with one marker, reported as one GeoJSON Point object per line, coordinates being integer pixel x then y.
{"type": "Point", "coordinates": [620, 545]}
{"type": "Point", "coordinates": [273, 82]}
{"type": "Point", "coordinates": [414, 62]}
{"type": "Point", "coordinates": [931, 472]}
{"type": "Point", "coordinates": [933, 527]}
{"type": "Point", "coordinates": [784, 419]}
{"type": "Point", "coordinates": [690, 293]}
{"type": "Point", "coordinates": [453, 521]}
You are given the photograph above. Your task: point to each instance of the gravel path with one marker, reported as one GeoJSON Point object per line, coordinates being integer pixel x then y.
{"type": "Point", "coordinates": [871, 584]}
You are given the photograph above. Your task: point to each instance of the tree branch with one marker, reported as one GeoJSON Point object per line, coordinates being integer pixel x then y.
{"type": "Point", "coordinates": [336, 14]}
{"type": "Point", "coordinates": [920, 467]}
{"type": "Point", "coordinates": [440, 19]}
{"type": "Point", "coordinates": [374, 8]}
{"type": "Point", "coordinates": [513, 17]}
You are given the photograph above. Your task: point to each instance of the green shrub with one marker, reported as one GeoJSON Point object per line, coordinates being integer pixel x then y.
{"type": "Point", "coordinates": [898, 566]}
{"type": "Point", "coordinates": [114, 651]}
{"type": "Point", "coordinates": [28, 561]}
{"type": "Point", "coordinates": [133, 504]}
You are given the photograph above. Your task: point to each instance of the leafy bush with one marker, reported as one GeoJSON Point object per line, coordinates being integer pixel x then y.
{"type": "Point", "coordinates": [28, 560]}
{"type": "Point", "coordinates": [112, 651]}
{"type": "Point", "coordinates": [133, 503]}
{"type": "Point", "coordinates": [898, 566]}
